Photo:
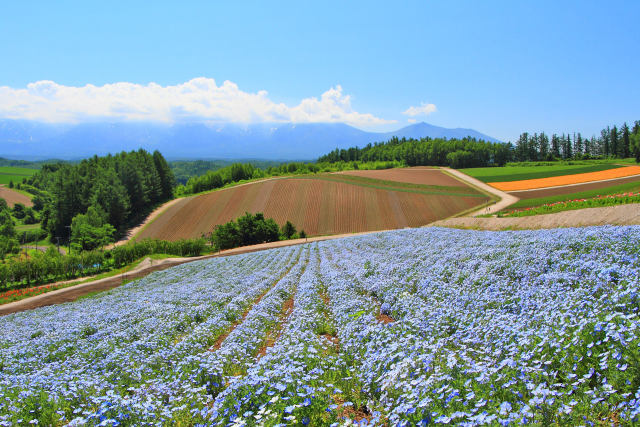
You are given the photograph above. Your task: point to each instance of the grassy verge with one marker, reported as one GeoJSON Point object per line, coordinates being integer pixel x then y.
{"type": "Point", "coordinates": [518, 172]}
{"type": "Point", "coordinates": [15, 174]}
{"type": "Point", "coordinates": [27, 227]}
{"type": "Point", "coordinates": [20, 294]}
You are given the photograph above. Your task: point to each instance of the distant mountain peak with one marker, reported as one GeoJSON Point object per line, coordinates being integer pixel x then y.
{"type": "Point", "coordinates": [290, 141]}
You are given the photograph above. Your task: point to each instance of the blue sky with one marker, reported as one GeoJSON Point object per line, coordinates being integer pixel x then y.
{"type": "Point", "coordinates": [501, 67]}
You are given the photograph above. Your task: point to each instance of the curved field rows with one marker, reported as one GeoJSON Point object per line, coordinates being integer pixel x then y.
{"type": "Point", "coordinates": [555, 181]}
{"type": "Point", "coordinates": [415, 175]}
{"type": "Point", "coordinates": [318, 206]}
{"type": "Point", "coordinates": [575, 188]}
{"type": "Point", "coordinates": [428, 326]}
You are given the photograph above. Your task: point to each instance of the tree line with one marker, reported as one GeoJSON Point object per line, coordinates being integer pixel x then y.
{"type": "Point", "coordinates": [100, 196]}
{"type": "Point", "coordinates": [457, 153]}
{"type": "Point", "coordinates": [238, 172]}
{"type": "Point", "coordinates": [614, 142]}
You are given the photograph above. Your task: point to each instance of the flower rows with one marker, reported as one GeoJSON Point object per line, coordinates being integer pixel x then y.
{"type": "Point", "coordinates": [606, 200]}
{"type": "Point", "coordinates": [481, 328]}
{"type": "Point", "coordinates": [555, 181]}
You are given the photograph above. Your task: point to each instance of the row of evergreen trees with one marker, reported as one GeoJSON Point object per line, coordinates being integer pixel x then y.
{"type": "Point", "coordinates": [457, 153]}
{"type": "Point", "coordinates": [469, 152]}
{"type": "Point", "coordinates": [120, 188]}
{"type": "Point", "coordinates": [617, 142]}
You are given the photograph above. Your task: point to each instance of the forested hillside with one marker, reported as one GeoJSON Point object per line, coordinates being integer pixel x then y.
{"type": "Point", "coordinates": [457, 153]}
{"type": "Point", "coordinates": [469, 152]}
{"type": "Point", "coordinates": [119, 188]}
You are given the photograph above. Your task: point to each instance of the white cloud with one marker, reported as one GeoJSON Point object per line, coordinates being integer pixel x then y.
{"type": "Point", "coordinates": [423, 109]}
{"type": "Point", "coordinates": [199, 99]}
{"type": "Point", "coordinates": [412, 120]}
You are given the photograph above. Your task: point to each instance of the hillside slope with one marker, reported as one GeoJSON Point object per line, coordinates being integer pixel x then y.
{"type": "Point", "coordinates": [321, 205]}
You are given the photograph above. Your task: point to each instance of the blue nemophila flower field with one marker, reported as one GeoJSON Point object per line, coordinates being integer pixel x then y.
{"type": "Point", "coordinates": [411, 327]}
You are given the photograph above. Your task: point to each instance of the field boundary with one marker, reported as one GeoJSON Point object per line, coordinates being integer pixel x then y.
{"type": "Point", "coordinates": [160, 210]}
{"type": "Point", "coordinates": [576, 184]}
{"type": "Point", "coordinates": [504, 199]}
{"type": "Point", "coordinates": [558, 181]}
{"type": "Point", "coordinates": [609, 215]}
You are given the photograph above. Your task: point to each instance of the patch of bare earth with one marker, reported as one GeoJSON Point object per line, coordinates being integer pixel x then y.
{"type": "Point", "coordinates": [12, 197]}
{"type": "Point", "coordinates": [216, 346]}
{"type": "Point", "coordinates": [386, 319]}
{"type": "Point", "coordinates": [334, 340]}
{"type": "Point", "coordinates": [274, 334]}
{"type": "Point", "coordinates": [336, 208]}
{"type": "Point", "coordinates": [351, 412]}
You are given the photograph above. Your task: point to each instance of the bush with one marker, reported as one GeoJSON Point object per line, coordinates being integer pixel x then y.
{"type": "Point", "coordinates": [250, 229]}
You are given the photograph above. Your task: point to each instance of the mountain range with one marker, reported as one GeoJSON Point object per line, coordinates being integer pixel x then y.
{"type": "Point", "coordinates": [288, 141]}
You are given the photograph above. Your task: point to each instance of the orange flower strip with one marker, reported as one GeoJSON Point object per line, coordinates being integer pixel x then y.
{"type": "Point", "coordinates": [555, 181]}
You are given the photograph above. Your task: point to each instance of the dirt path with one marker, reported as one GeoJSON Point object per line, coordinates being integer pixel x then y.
{"type": "Point", "coordinates": [614, 215]}
{"type": "Point", "coordinates": [505, 198]}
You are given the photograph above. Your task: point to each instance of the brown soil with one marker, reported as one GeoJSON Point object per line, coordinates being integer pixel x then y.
{"type": "Point", "coordinates": [220, 340]}
{"type": "Point", "coordinates": [333, 339]}
{"type": "Point", "coordinates": [351, 412]}
{"type": "Point", "coordinates": [614, 215]}
{"type": "Point", "coordinates": [216, 346]}
{"type": "Point", "coordinates": [316, 206]}
{"type": "Point", "coordinates": [385, 319]}
{"type": "Point", "coordinates": [274, 334]}
{"type": "Point", "coordinates": [569, 189]}
{"type": "Point", "coordinates": [12, 197]}
{"type": "Point", "coordinates": [414, 175]}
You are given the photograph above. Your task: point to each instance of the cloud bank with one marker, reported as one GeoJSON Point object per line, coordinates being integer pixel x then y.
{"type": "Point", "coordinates": [423, 109]}
{"type": "Point", "coordinates": [199, 99]}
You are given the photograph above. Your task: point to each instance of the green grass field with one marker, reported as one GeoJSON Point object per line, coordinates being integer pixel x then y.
{"type": "Point", "coordinates": [517, 172]}
{"type": "Point", "coordinates": [10, 173]}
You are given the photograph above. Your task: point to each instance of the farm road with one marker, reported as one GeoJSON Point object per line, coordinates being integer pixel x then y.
{"type": "Point", "coordinates": [506, 199]}
{"type": "Point", "coordinates": [612, 215]}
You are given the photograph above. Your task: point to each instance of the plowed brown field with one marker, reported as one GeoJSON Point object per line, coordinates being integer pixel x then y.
{"type": "Point", "coordinates": [415, 175]}
{"type": "Point", "coordinates": [318, 206]}
{"type": "Point", "coordinates": [13, 197]}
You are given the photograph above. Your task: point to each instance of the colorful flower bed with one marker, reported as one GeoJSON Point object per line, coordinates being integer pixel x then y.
{"type": "Point", "coordinates": [593, 202]}
{"type": "Point", "coordinates": [555, 181]}
{"type": "Point", "coordinates": [18, 294]}
{"type": "Point", "coordinates": [399, 328]}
